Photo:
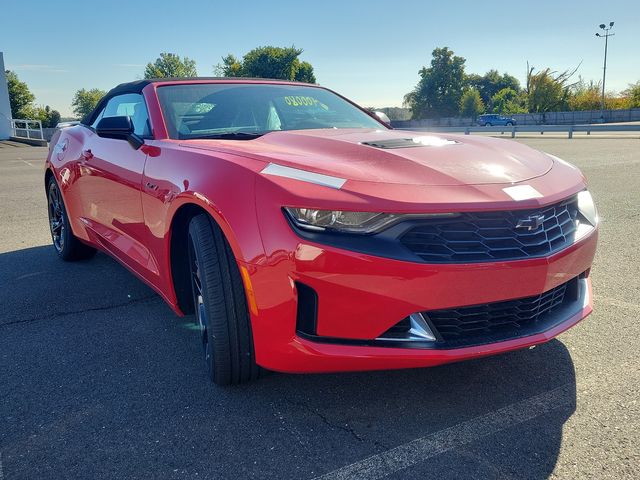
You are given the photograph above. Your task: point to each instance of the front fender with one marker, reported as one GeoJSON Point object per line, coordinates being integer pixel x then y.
{"type": "Point", "coordinates": [221, 185]}
{"type": "Point", "coordinates": [238, 222]}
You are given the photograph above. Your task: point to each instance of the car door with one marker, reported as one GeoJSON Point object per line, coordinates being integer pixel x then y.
{"type": "Point", "coordinates": [110, 185]}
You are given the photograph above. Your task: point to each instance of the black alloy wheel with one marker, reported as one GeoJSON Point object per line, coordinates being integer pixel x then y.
{"type": "Point", "coordinates": [56, 217]}
{"type": "Point", "coordinates": [67, 245]}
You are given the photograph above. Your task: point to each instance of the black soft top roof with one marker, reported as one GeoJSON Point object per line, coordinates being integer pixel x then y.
{"type": "Point", "coordinates": [123, 88]}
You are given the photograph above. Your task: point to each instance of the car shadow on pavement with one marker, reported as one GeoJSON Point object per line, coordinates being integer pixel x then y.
{"type": "Point", "coordinates": [100, 380]}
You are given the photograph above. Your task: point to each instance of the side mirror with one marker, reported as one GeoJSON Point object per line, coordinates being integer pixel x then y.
{"type": "Point", "coordinates": [119, 128]}
{"type": "Point", "coordinates": [383, 118]}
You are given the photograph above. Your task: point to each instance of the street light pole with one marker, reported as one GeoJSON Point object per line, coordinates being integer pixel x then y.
{"type": "Point", "coordinates": [606, 36]}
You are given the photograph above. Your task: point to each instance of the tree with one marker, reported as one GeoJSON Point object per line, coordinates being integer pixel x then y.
{"type": "Point", "coordinates": [230, 67]}
{"type": "Point", "coordinates": [440, 87]}
{"type": "Point", "coordinates": [268, 62]}
{"type": "Point", "coordinates": [491, 83]}
{"type": "Point", "coordinates": [84, 101]}
{"type": "Point", "coordinates": [170, 65]}
{"type": "Point", "coordinates": [471, 104]}
{"type": "Point", "coordinates": [508, 100]}
{"type": "Point", "coordinates": [633, 95]}
{"type": "Point", "coordinates": [49, 118]}
{"type": "Point", "coordinates": [547, 90]}
{"type": "Point", "coordinates": [585, 96]}
{"type": "Point", "coordinates": [612, 102]}
{"type": "Point", "coordinates": [53, 117]}
{"type": "Point", "coordinates": [305, 73]}
{"type": "Point", "coordinates": [20, 98]}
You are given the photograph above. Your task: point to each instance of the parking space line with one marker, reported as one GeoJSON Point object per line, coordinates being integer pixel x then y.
{"type": "Point", "coordinates": [421, 449]}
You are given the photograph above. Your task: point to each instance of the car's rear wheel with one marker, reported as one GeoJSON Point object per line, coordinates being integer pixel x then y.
{"type": "Point", "coordinates": [487, 124]}
{"type": "Point", "coordinates": [66, 244]}
{"type": "Point", "coordinates": [509, 124]}
{"type": "Point", "coordinates": [220, 305]}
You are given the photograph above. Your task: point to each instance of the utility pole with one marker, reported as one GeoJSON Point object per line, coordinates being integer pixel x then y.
{"type": "Point", "coordinates": [606, 36]}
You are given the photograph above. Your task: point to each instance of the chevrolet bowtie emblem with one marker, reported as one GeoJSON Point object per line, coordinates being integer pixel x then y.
{"type": "Point", "coordinates": [532, 223]}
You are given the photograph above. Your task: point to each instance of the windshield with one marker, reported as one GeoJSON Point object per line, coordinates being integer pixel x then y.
{"type": "Point", "coordinates": [244, 111]}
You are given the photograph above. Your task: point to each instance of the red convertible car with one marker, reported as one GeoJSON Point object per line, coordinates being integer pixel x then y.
{"type": "Point", "coordinates": [306, 235]}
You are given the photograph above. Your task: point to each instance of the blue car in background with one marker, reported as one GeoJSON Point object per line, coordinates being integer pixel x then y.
{"type": "Point", "coordinates": [491, 120]}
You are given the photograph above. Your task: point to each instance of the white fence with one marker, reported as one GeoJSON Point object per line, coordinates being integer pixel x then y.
{"type": "Point", "coordinates": [23, 128]}
{"type": "Point", "coordinates": [541, 129]}
{"type": "Point", "coordinates": [550, 118]}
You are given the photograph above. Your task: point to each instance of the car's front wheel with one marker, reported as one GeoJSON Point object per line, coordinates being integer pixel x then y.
{"type": "Point", "coordinates": [66, 244]}
{"type": "Point", "coordinates": [220, 305]}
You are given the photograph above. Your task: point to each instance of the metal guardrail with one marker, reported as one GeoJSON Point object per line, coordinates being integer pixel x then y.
{"type": "Point", "coordinates": [541, 129]}
{"type": "Point", "coordinates": [21, 128]}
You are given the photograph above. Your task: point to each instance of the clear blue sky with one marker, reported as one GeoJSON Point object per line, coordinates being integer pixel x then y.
{"type": "Point", "coordinates": [370, 51]}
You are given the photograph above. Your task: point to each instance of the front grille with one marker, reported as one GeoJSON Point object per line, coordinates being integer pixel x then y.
{"type": "Point", "coordinates": [499, 320]}
{"type": "Point", "coordinates": [492, 236]}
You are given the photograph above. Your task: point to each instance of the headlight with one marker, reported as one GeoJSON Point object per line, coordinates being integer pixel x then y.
{"type": "Point", "coordinates": [587, 207]}
{"type": "Point", "coordinates": [349, 222]}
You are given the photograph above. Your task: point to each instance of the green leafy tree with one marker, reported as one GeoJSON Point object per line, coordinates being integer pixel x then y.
{"type": "Point", "coordinates": [170, 65]}
{"type": "Point", "coordinates": [304, 73]}
{"type": "Point", "coordinates": [613, 102]}
{"type": "Point", "coordinates": [633, 95]}
{"type": "Point", "coordinates": [440, 87]}
{"type": "Point", "coordinates": [548, 91]}
{"type": "Point", "coordinates": [491, 83]}
{"type": "Point", "coordinates": [508, 100]}
{"type": "Point", "coordinates": [268, 62]}
{"type": "Point", "coordinates": [84, 101]}
{"type": "Point", "coordinates": [230, 67]}
{"type": "Point", "coordinates": [53, 118]}
{"type": "Point", "coordinates": [20, 98]}
{"type": "Point", "coordinates": [585, 96]}
{"type": "Point", "coordinates": [48, 117]}
{"type": "Point", "coordinates": [471, 104]}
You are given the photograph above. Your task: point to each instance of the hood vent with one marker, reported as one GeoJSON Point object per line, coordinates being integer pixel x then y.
{"type": "Point", "coordinates": [423, 141]}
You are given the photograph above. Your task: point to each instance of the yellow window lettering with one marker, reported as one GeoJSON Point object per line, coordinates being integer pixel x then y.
{"type": "Point", "coordinates": [298, 101]}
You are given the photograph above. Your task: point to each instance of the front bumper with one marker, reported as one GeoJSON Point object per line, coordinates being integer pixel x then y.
{"type": "Point", "coordinates": [361, 296]}
{"type": "Point", "coordinates": [324, 357]}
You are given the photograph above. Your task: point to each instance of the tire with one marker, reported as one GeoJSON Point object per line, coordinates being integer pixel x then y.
{"type": "Point", "coordinates": [220, 305]}
{"type": "Point", "coordinates": [487, 124]}
{"type": "Point", "coordinates": [66, 244]}
{"type": "Point", "coordinates": [509, 124]}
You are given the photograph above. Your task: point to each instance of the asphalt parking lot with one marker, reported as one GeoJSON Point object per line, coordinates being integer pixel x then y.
{"type": "Point", "coordinates": [99, 379]}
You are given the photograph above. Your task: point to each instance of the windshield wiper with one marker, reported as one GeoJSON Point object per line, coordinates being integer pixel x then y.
{"type": "Point", "coordinates": [231, 136]}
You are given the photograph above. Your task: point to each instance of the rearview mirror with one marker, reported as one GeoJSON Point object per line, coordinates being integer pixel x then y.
{"type": "Point", "coordinates": [383, 118]}
{"type": "Point", "coordinates": [119, 128]}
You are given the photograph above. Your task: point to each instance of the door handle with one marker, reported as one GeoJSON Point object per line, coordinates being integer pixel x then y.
{"type": "Point", "coordinates": [86, 154]}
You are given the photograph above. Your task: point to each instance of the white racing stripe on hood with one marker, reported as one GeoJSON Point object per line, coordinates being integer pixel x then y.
{"type": "Point", "coordinates": [303, 175]}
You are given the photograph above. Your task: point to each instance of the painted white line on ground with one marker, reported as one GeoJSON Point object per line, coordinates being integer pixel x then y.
{"type": "Point", "coordinates": [421, 449]}
{"type": "Point", "coordinates": [28, 275]}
